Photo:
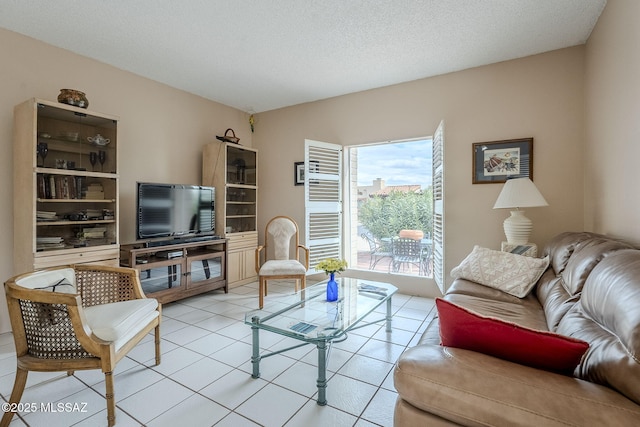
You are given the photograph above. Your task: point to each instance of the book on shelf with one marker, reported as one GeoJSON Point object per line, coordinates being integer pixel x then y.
{"type": "Point", "coordinates": [46, 243]}
{"type": "Point", "coordinates": [59, 186]}
{"type": "Point", "coordinates": [94, 232]}
{"type": "Point", "coordinates": [46, 215]}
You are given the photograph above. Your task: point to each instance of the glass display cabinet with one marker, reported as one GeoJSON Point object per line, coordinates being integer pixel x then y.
{"type": "Point", "coordinates": [233, 170]}
{"type": "Point", "coordinates": [65, 185]}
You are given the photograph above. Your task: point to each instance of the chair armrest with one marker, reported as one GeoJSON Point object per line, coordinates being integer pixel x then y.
{"type": "Point", "coordinates": [98, 284]}
{"type": "Point", "coordinates": [259, 249]}
{"type": "Point", "coordinates": [306, 255]}
{"type": "Point", "coordinates": [49, 313]}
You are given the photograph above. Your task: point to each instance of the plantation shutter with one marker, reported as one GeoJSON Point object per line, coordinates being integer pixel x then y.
{"type": "Point", "coordinates": [323, 201]}
{"type": "Point", "coordinates": [438, 206]}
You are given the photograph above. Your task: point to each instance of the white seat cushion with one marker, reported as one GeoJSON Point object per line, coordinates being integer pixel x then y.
{"type": "Point", "coordinates": [120, 321]}
{"type": "Point", "coordinates": [282, 267]}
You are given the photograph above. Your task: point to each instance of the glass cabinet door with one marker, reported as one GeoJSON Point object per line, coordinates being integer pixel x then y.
{"type": "Point", "coordinates": [161, 278]}
{"type": "Point", "coordinates": [205, 268]}
{"type": "Point", "coordinates": [241, 209]}
{"type": "Point", "coordinates": [241, 166]}
{"type": "Point", "coordinates": [76, 183]}
{"type": "Point", "coordinates": [73, 141]}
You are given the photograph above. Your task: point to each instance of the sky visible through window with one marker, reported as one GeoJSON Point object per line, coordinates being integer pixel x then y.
{"type": "Point", "coordinates": [402, 163]}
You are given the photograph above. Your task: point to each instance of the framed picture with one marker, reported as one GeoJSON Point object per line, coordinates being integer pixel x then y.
{"type": "Point", "coordinates": [298, 171]}
{"type": "Point", "coordinates": [495, 161]}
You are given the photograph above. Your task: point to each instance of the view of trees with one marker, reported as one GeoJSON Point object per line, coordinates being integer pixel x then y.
{"type": "Point", "coordinates": [385, 216]}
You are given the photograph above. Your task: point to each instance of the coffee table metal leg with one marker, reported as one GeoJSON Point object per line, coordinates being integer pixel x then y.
{"type": "Point", "coordinates": [388, 329]}
{"type": "Point", "coordinates": [322, 373]}
{"type": "Point", "coordinates": [255, 355]}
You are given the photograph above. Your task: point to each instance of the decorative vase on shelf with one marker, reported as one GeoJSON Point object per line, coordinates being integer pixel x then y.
{"type": "Point", "coordinates": [73, 97]}
{"type": "Point", "coordinates": [332, 288]}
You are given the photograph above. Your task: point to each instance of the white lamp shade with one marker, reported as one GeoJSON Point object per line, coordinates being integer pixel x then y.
{"type": "Point", "coordinates": [519, 193]}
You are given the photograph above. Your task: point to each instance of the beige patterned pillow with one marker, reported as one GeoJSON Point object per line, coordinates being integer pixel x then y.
{"type": "Point", "coordinates": [510, 273]}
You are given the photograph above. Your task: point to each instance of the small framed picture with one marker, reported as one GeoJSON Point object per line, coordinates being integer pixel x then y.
{"type": "Point", "coordinates": [298, 173]}
{"type": "Point", "coordinates": [495, 161]}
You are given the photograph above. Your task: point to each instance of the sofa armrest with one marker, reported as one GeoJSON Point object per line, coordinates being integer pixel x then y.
{"type": "Point", "coordinates": [470, 388]}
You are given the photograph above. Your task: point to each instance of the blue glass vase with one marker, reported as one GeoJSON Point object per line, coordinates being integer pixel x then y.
{"type": "Point", "coordinates": [332, 288]}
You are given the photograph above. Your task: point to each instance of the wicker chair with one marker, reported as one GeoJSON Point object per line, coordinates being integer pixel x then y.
{"type": "Point", "coordinates": [78, 317]}
{"type": "Point", "coordinates": [280, 233]}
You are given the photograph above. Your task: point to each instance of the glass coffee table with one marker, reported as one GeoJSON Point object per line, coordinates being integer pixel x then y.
{"type": "Point", "coordinates": [308, 317]}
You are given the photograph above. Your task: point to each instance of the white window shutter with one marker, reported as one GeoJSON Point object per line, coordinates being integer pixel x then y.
{"type": "Point", "coordinates": [323, 200]}
{"type": "Point", "coordinates": [438, 207]}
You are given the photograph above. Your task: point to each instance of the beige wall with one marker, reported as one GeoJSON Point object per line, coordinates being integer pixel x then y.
{"type": "Point", "coordinates": [539, 96]}
{"type": "Point", "coordinates": [612, 172]}
{"type": "Point", "coordinates": [162, 130]}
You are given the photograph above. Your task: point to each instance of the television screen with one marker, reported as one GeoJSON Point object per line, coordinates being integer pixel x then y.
{"type": "Point", "coordinates": [166, 210]}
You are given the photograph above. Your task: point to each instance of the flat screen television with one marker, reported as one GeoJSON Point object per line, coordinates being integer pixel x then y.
{"type": "Point", "coordinates": [174, 210]}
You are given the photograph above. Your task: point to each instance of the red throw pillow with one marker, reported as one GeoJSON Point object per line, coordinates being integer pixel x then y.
{"type": "Point", "coordinates": [462, 328]}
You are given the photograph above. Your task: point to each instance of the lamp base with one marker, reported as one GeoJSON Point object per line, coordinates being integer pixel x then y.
{"type": "Point", "coordinates": [517, 228]}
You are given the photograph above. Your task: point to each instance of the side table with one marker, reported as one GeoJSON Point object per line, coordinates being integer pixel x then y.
{"type": "Point", "coordinates": [528, 249]}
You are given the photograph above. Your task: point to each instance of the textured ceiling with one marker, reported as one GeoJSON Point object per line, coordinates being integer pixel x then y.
{"type": "Point", "coordinates": [259, 55]}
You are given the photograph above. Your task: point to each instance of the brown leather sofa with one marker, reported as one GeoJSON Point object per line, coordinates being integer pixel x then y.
{"type": "Point", "coordinates": [591, 291]}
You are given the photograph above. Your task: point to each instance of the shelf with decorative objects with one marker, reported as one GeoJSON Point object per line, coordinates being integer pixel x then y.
{"type": "Point", "coordinates": [233, 170]}
{"type": "Point", "coordinates": [66, 172]}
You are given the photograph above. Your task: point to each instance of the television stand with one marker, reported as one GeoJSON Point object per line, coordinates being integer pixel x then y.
{"type": "Point", "coordinates": [180, 240]}
{"type": "Point", "coordinates": [194, 267]}
{"type": "Point", "coordinates": [196, 239]}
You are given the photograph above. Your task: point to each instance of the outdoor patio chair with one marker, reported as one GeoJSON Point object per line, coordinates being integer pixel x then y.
{"type": "Point", "coordinates": [377, 251]}
{"type": "Point", "coordinates": [406, 252]}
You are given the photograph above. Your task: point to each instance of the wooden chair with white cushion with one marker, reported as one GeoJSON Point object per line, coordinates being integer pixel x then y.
{"type": "Point", "coordinates": [78, 317]}
{"type": "Point", "coordinates": [275, 260]}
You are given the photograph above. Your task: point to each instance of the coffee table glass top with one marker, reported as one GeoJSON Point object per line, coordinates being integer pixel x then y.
{"type": "Point", "coordinates": [307, 315]}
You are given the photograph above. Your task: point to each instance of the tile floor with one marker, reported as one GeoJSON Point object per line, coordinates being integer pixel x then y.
{"type": "Point", "coordinates": [204, 378]}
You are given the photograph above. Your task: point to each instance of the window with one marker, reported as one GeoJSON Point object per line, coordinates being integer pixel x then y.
{"type": "Point", "coordinates": [390, 200]}
{"type": "Point", "coordinates": [332, 223]}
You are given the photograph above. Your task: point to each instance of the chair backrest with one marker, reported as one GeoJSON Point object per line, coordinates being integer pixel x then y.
{"type": "Point", "coordinates": [41, 326]}
{"type": "Point", "coordinates": [372, 243]}
{"type": "Point", "coordinates": [281, 233]}
{"type": "Point", "coordinates": [406, 247]}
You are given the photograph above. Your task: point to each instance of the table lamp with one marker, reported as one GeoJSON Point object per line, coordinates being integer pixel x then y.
{"type": "Point", "coordinates": [519, 193]}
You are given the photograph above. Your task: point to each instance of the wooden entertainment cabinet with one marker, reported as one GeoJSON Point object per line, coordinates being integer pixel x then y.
{"type": "Point", "coordinates": [169, 272]}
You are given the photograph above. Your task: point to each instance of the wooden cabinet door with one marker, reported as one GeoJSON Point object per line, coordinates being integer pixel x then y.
{"type": "Point", "coordinates": [235, 267]}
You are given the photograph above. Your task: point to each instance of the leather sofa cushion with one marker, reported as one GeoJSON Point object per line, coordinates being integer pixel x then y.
{"type": "Point", "coordinates": [475, 389]}
{"type": "Point", "coordinates": [561, 247]}
{"type": "Point", "coordinates": [554, 298]}
{"type": "Point", "coordinates": [462, 328]}
{"type": "Point", "coordinates": [525, 312]}
{"type": "Point", "coordinates": [608, 317]}
{"type": "Point", "coordinates": [469, 288]}
{"type": "Point", "coordinates": [585, 257]}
